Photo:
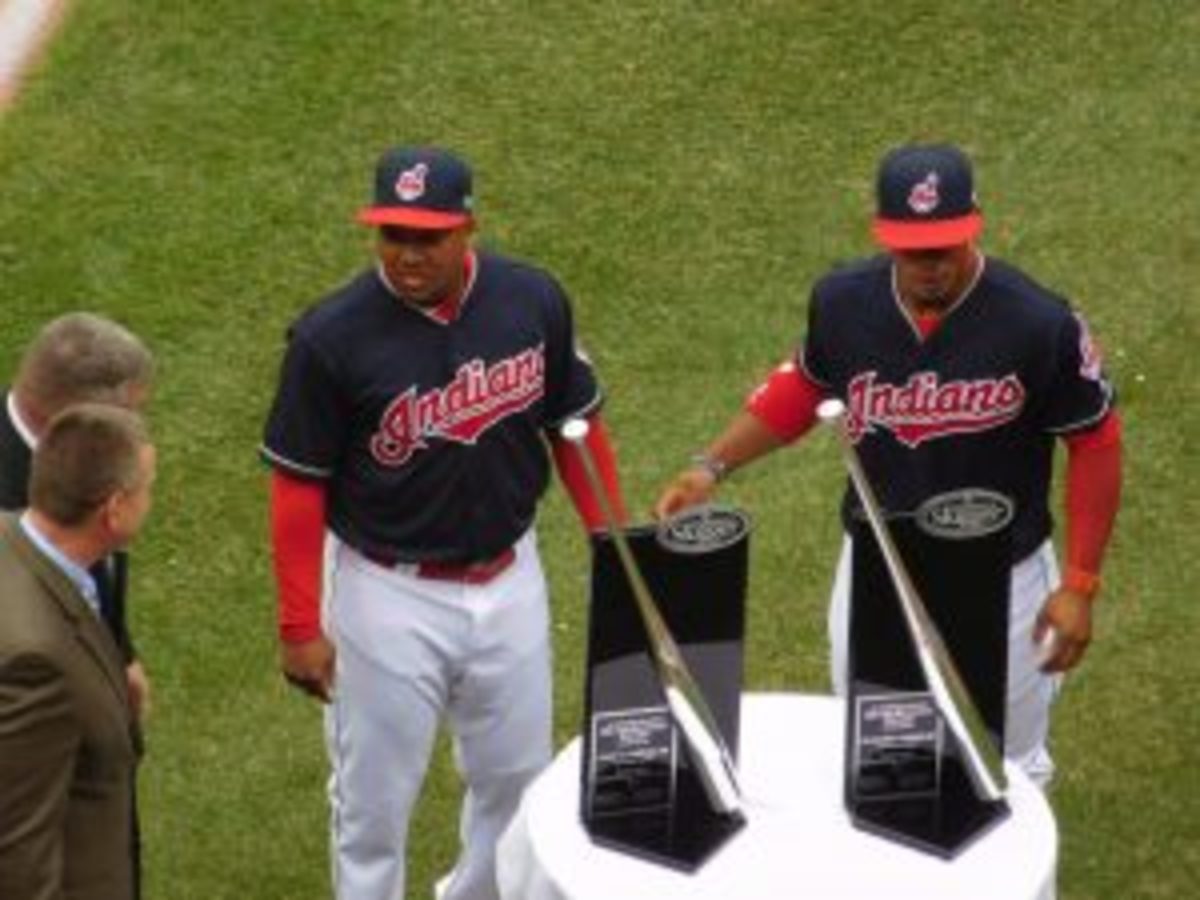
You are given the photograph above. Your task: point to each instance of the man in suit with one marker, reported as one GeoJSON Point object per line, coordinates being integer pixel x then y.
{"type": "Point", "coordinates": [77, 358]}
{"type": "Point", "coordinates": [80, 358]}
{"type": "Point", "coordinates": [69, 740]}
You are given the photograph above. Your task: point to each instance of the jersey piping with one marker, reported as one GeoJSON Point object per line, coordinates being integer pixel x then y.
{"type": "Point", "coordinates": [582, 413]}
{"type": "Point", "coordinates": [300, 469]}
{"type": "Point", "coordinates": [980, 260]}
{"type": "Point", "coordinates": [432, 314]}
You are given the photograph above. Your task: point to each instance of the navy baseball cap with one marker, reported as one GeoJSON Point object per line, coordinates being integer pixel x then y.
{"type": "Point", "coordinates": [420, 187]}
{"type": "Point", "coordinates": [926, 198]}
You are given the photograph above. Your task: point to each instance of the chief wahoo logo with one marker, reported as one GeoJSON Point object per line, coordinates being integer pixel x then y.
{"type": "Point", "coordinates": [924, 197]}
{"type": "Point", "coordinates": [411, 183]}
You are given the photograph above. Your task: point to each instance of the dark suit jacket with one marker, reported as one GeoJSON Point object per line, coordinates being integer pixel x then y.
{"type": "Point", "coordinates": [68, 740]}
{"type": "Point", "coordinates": [111, 574]}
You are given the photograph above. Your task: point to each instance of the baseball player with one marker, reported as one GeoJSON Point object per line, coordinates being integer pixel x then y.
{"type": "Point", "coordinates": [411, 424]}
{"type": "Point", "coordinates": [957, 371]}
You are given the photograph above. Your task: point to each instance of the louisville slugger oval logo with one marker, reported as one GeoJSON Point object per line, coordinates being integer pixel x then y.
{"type": "Point", "coordinates": [964, 514]}
{"type": "Point", "coordinates": [703, 529]}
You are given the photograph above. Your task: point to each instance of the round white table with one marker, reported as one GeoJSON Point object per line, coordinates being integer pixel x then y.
{"type": "Point", "coordinates": [798, 840]}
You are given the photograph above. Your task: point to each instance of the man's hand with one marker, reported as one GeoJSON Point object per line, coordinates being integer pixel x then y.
{"type": "Point", "coordinates": [139, 690]}
{"type": "Point", "coordinates": [691, 487]}
{"type": "Point", "coordinates": [309, 666]}
{"type": "Point", "coordinates": [1066, 623]}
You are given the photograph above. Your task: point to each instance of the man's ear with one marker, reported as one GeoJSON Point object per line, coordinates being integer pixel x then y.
{"type": "Point", "coordinates": [110, 511]}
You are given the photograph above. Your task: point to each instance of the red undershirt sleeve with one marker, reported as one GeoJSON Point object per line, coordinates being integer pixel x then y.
{"type": "Point", "coordinates": [786, 402]}
{"type": "Point", "coordinates": [1093, 494]}
{"type": "Point", "coordinates": [298, 543]}
{"type": "Point", "coordinates": [575, 480]}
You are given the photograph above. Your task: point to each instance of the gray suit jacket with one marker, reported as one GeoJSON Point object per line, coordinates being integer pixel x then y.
{"type": "Point", "coordinates": [68, 740]}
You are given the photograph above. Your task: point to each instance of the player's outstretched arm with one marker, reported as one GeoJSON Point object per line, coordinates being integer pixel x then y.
{"type": "Point", "coordinates": [780, 410]}
{"type": "Point", "coordinates": [743, 441]}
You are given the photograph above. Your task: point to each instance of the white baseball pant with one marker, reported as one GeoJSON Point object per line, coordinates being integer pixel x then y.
{"type": "Point", "coordinates": [412, 652]}
{"type": "Point", "coordinates": [1031, 692]}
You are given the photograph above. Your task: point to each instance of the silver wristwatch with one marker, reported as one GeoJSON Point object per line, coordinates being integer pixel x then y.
{"type": "Point", "coordinates": [717, 468]}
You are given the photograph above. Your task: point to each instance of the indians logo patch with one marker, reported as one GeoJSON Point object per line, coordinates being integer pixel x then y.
{"type": "Point", "coordinates": [411, 183]}
{"type": "Point", "coordinates": [925, 408]}
{"type": "Point", "coordinates": [476, 398]}
{"type": "Point", "coordinates": [924, 197]}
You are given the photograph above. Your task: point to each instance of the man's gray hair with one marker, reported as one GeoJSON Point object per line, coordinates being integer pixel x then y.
{"type": "Point", "coordinates": [82, 358]}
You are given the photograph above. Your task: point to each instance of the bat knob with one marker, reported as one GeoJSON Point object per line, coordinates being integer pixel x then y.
{"type": "Point", "coordinates": [831, 410]}
{"type": "Point", "coordinates": [574, 430]}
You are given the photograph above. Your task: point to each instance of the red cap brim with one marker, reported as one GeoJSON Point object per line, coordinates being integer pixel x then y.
{"type": "Point", "coordinates": [411, 217]}
{"type": "Point", "coordinates": [896, 234]}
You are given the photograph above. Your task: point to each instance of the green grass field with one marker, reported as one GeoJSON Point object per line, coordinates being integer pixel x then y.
{"type": "Point", "coordinates": [687, 168]}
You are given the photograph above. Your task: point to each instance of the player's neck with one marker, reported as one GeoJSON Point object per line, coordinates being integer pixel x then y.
{"type": "Point", "coordinates": [928, 311]}
{"type": "Point", "coordinates": [445, 308]}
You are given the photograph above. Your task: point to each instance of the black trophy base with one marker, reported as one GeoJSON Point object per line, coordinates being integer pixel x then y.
{"type": "Point", "coordinates": [943, 825]}
{"type": "Point", "coordinates": [679, 841]}
{"type": "Point", "coordinates": [681, 831]}
{"type": "Point", "coordinates": [639, 791]}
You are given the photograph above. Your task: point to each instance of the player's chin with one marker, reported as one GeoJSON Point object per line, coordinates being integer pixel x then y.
{"type": "Point", "coordinates": [420, 292]}
{"type": "Point", "coordinates": [932, 295]}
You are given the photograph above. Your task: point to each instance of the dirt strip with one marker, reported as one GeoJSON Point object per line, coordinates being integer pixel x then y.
{"type": "Point", "coordinates": [25, 28]}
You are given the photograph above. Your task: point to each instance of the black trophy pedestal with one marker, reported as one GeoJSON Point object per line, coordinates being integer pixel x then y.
{"type": "Point", "coordinates": [905, 776]}
{"type": "Point", "coordinates": [944, 824]}
{"type": "Point", "coordinates": [639, 792]}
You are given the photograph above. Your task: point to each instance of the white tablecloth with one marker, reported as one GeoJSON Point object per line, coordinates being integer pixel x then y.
{"type": "Point", "coordinates": [798, 841]}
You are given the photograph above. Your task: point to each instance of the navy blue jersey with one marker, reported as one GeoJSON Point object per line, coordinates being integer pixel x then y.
{"type": "Point", "coordinates": [428, 434]}
{"type": "Point", "coordinates": [976, 404]}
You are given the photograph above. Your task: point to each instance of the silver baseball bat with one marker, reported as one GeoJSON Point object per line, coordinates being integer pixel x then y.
{"type": "Point", "coordinates": [686, 703]}
{"type": "Point", "coordinates": [984, 763]}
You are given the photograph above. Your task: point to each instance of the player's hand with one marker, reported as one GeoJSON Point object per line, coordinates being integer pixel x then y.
{"type": "Point", "coordinates": [691, 487]}
{"type": "Point", "coordinates": [309, 666]}
{"type": "Point", "coordinates": [1065, 624]}
{"type": "Point", "coordinates": [139, 690]}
